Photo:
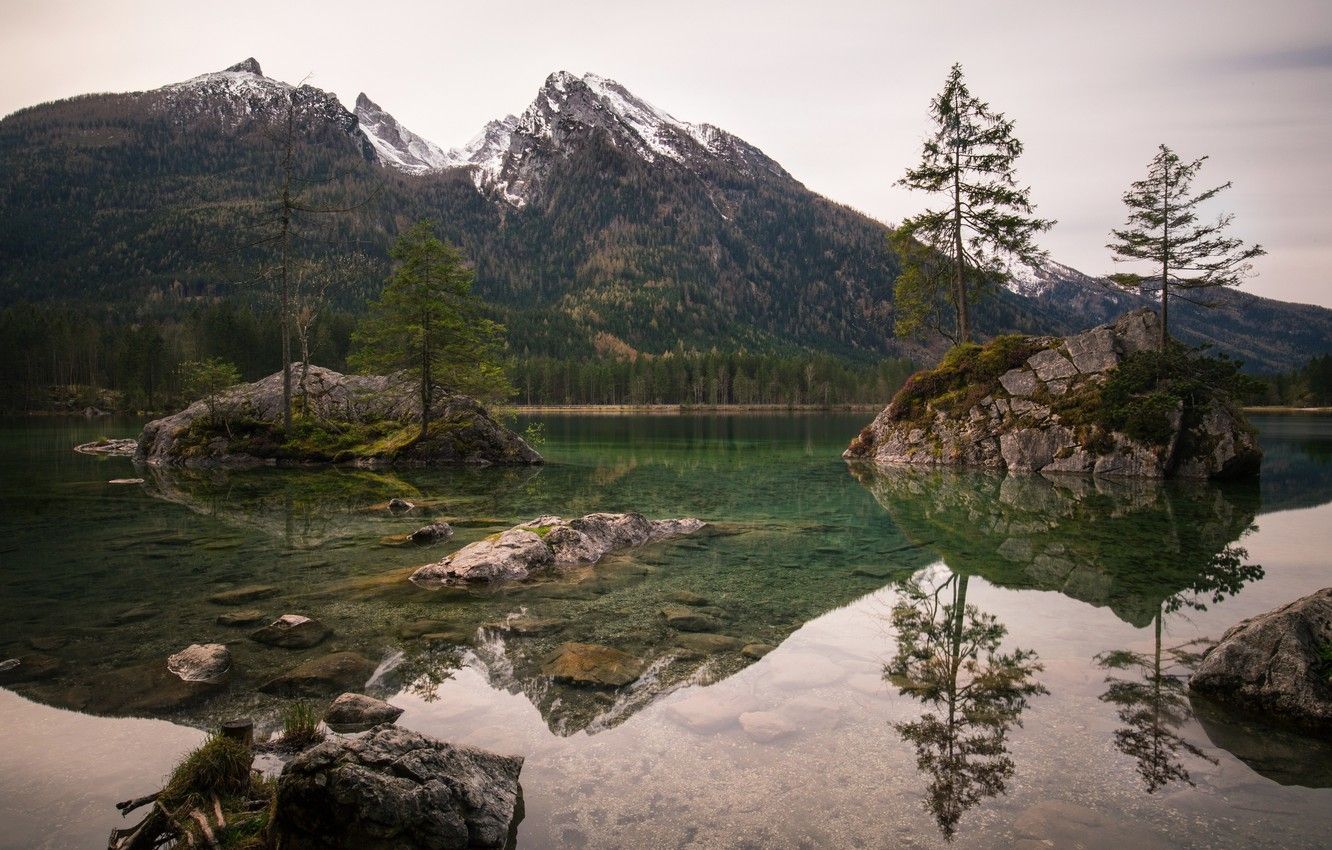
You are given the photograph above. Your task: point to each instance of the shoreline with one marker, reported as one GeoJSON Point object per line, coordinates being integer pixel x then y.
{"type": "Point", "coordinates": [687, 409]}
{"type": "Point", "coordinates": [1286, 409]}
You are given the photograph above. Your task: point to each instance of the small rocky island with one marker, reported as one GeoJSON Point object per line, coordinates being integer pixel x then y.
{"type": "Point", "coordinates": [357, 420]}
{"type": "Point", "coordinates": [1106, 402]}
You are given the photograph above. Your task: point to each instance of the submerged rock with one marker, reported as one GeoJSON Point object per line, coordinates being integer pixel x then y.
{"type": "Point", "coordinates": [431, 534]}
{"type": "Point", "coordinates": [592, 664]}
{"type": "Point", "coordinates": [142, 689]}
{"type": "Point", "coordinates": [242, 595]}
{"type": "Point", "coordinates": [1047, 412]}
{"type": "Point", "coordinates": [394, 789]}
{"type": "Point", "coordinates": [292, 631]}
{"type": "Point", "coordinates": [124, 447]}
{"type": "Point", "coordinates": [1276, 664]}
{"type": "Point", "coordinates": [337, 671]}
{"type": "Point", "coordinates": [358, 710]}
{"type": "Point", "coordinates": [550, 540]}
{"type": "Point", "coordinates": [689, 619]}
{"type": "Point", "coordinates": [27, 668]}
{"type": "Point", "coordinates": [207, 662]}
{"type": "Point", "coordinates": [461, 430]}
{"type": "Point", "coordinates": [244, 617]}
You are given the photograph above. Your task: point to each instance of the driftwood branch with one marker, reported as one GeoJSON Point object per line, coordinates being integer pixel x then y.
{"type": "Point", "coordinates": [138, 802]}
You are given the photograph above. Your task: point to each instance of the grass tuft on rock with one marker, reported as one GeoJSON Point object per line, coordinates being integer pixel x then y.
{"type": "Point", "coordinates": [967, 374]}
{"type": "Point", "coordinates": [300, 726]}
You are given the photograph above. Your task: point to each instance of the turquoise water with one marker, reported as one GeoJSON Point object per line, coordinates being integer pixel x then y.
{"type": "Point", "coordinates": [837, 737]}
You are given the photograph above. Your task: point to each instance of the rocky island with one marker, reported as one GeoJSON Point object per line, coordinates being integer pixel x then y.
{"type": "Point", "coordinates": [357, 420]}
{"type": "Point", "coordinates": [1106, 402]}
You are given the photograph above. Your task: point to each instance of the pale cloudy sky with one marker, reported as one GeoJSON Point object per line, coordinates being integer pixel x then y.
{"type": "Point", "coordinates": [835, 91]}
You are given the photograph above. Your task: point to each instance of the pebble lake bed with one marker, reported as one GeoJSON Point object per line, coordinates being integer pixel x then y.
{"type": "Point", "coordinates": [757, 697]}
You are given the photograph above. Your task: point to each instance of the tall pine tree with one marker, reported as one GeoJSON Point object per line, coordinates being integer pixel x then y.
{"type": "Point", "coordinates": [427, 325]}
{"type": "Point", "coordinates": [988, 220]}
{"type": "Point", "coordinates": [1163, 229]}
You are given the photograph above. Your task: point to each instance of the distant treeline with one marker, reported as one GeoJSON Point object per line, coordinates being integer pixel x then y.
{"type": "Point", "coordinates": [1310, 386]}
{"type": "Point", "coordinates": [70, 357]}
{"type": "Point", "coordinates": [708, 378]}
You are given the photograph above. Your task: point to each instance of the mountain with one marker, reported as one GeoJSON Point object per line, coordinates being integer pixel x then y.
{"type": "Point", "coordinates": [599, 223]}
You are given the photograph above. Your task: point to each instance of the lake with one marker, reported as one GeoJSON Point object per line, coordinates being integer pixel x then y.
{"type": "Point", "coordinates": [1086, 599]}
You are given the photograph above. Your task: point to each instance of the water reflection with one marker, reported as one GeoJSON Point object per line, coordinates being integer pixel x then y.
{"type": "Point", "coordinates": [948, 659]}
{"type": "Point", "coordinates": [1123, 544]}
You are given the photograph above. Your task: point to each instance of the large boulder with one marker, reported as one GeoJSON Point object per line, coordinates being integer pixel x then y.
{"type": "Point", "coordinates": [1045, 404]}
{"type": "Point", "coordinates": [1278, 664]}
{"type": "Point", "coordinates": [461, 430]}
{"type": "Point", "coordinates": [394, 789]}
{"type": "Point", "coordinates": [550, 541]}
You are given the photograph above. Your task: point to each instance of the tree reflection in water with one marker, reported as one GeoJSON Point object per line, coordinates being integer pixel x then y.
{"type": "Point", "coordinates": [1153, 704]}
{"type": "Point", "coordinates": [948, 658]}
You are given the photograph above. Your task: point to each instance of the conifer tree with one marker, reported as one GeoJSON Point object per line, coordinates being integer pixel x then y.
{"type": "Point", "coordinates": [1163, 228]}
{"type": "Point", "coordinates": [427, 325]}
{"type": "Point", "coordinates": [988, 220]}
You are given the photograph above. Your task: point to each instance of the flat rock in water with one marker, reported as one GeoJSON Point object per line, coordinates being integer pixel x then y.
{"type": "Point", "coordinates": [527, 626]}
{"type": "Point", "coordinates": [243, 617]}
{"type": "Point", "coordinates": [756, 650]}
{"type": "Point", "coordinates": [335, 672]}
{"type": "Point", "coordinates": [124, 447]}
{"type": "Point", "coordinates": [398, 507]}
{"type": "Point", "coordinates": [689, 620]}
{"type": "Point", "coordinates": [125, 481]}
{"type": "Point", "coordinates": [550, 541]}
{"type": "Point", "coordinates": [242, 595]}
{"type": "Point", "coordinates": [1273, 664]}
{"type": "Point", "coordinates": [47, 643]}
{"type": "Point", "coordinates": [394, 789]}
{"type": "Point", "coordinates": [708, 643]}
{"type": "Point", "coordinates": [292, 631]}
{"type": "Point", "coordinates": [358, 710]}
{"type": "Point", "coordinates": [417, 628]}
{"type": "Point", "coordinates": [765, 726]}
{"type": "Point", "coordinates": [27, 668]}
{"type": "Point", "coordinates": [207, 662]}
{"type": "Point", "coordinates": [592, 664]}
{"type": "Point", "coordinates": [148, 688]}
{"type": "Point", "coordinates": [136, 614]}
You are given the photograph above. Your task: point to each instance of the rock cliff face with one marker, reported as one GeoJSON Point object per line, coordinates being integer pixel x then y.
{"type": "Point", "coordinates": [1104, 402]}
{"type": "Point", "coordinates": [241, 427]}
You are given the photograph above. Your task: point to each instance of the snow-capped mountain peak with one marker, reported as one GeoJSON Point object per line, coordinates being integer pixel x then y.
{"type": "Point", "coordinates": [397, 146]}
{"type": "Point", "coordinates": [510, 157]}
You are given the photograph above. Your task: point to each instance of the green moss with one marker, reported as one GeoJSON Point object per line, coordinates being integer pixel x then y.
{"type": "Point", "coordinates": [541, 530]}
{"type": "Point", "coordinates": [967, 374]}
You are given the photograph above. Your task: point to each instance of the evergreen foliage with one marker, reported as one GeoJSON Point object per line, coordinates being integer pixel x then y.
{"type": "Point", "coordinates": [965, 246]}
{"type": "Point", "coordinates": [1163, 228]}
{"type": "Point", "coordinates": [428, 325]}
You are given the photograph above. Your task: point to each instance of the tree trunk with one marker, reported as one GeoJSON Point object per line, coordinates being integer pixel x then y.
{"type": "Point", "coordinates": [425, 374]}
{"type": "Point", "coordinates": [285, 318]}
{"type": "Point", "coordinates": [959, 288]}
{"type": "Point", "coordinates": [1165, 254]}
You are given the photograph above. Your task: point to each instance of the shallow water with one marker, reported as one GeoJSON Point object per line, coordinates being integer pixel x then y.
{"type": "Point", "coordinates": [836, 738]}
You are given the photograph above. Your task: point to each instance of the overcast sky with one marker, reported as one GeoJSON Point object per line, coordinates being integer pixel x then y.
{"type": "Point", "coordinates": [835, 91]}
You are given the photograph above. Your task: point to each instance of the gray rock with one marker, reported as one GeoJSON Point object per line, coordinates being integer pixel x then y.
{"type": "Point", "coordinates": [466, 433]}
{"type": "Point", "coordinates": [394, 789]}
{"type": "Point", "coordinates": [292, 631]}
{"type": "Point", "coordinates": [399, 506]}
{"type": "Point", "coordinates": [1019, 382]}
{"type": "Point", "coordinates": [201, 662]}
{"type": "Point", "coordinates": [514, 554]}
{"type": "Point", "coordinates": [431, 534]}
{"type": "Point", "coordinates": [1050, 365]}
{"type": "Point", "coordinates": [1093, 351]}
{"type": "Point", "coordinates": [337, 671]}
{"type": "Point", "coordinates": [550, 541]}
{"type": "Point", "coordinates": [115, 448]}
{"type": "Point", "coordinates": [592, 664]}
{"type": "Point", "coordinates": [1273, 664]}
{"type": "Point", "coordinates": [1021, 434]}
{"type": "Point", "coordinates": [353, 712]}
{"type": "Point", "coordinates": [1139, 330]}
{"type": "Point", "coordinates": [756, 650]}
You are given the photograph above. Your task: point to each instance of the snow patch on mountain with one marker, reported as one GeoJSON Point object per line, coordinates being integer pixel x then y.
{"type": "Point", "coordinates": [1041, 278]}
{"type": "Point", "coordinates": [397, 146]}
